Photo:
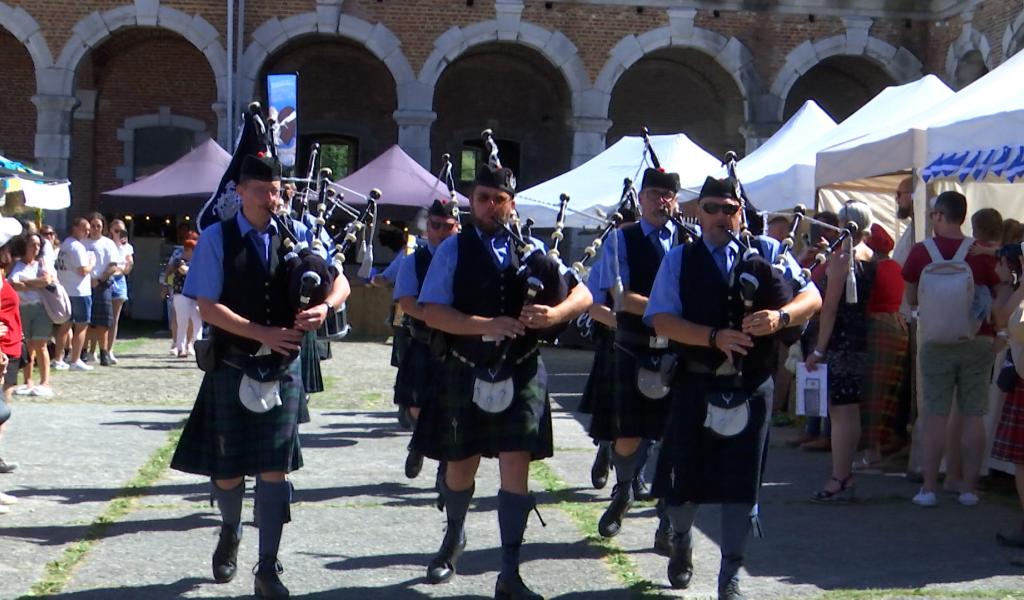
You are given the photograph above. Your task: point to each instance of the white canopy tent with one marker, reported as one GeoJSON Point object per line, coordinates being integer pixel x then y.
{"type": "Point", "coordinates": [599, 181]}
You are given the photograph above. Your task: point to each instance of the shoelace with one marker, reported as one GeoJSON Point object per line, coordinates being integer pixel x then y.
{"type": "Point", "coordinates": [278, 567]}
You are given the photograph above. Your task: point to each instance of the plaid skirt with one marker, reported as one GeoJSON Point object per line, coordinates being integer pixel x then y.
{"type": "Point", "coordinates": [452, 427]}
{"type": "Point", "coordinates": [1009, 438]}
{"type": "Point", "coordinates": [416, 382]}
{"type": "Point", "coordinates": [887, 339]}
{"type": "Point", "coordinates": [223, 440]}
{"type": "Point", "coordinates": [630, 414]}
{"type": "Point", "coordinates": [597, 394]}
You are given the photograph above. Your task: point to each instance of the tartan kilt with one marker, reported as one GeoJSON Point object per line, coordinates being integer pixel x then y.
{"type": "Point", "coordinates": [597, 394]}
{"type": "Point", "coordinates": [629, 414]}
{"type": "Point", "coordinates": [400, 340]}
{"type": "Point", "coordinates": [309, 358]}
{"type": "Point", "coordinates": [416, 384]}
{"type": "Point", "coordinates": [1009, 438]}
{"type": "Point", "coordinates": [223, 440]}
{"type": "Point", "coordinates": [887, 340]}
{"type": "Point", "coordinates": [452, 427]}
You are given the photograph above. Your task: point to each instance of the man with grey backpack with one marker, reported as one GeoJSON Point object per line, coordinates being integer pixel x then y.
{"type": "Point", "coordinates": [951, 289]}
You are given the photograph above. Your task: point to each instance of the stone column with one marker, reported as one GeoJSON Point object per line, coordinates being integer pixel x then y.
{"type": "Point", "coordinates": [758, 133]}
{"type": "Point", "coordinates": [225, 132]}
{"type": "Point", "coordinates": [53, 132]}
{"type": "Point", "coordinates": [414, 133]}
{"type": "Point", "coordinates": [588, 138]}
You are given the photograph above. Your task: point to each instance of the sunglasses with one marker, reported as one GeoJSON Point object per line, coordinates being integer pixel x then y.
{"type": "Point", "coordinates": [439, 226]}
{"type": "Point", "coordinates": [714, 209]}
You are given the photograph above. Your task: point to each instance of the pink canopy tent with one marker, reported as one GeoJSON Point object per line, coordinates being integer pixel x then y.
{"type": "Point", "coordinates": [179, 188]}
{"type": "Point", "coordinates": [401, 180]}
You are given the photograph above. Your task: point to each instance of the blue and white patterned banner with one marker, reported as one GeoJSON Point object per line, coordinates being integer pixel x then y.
{"type": "Point", "coordinates": [282, 95]}
{"type": "Point", "coordinates": [1006, 162]}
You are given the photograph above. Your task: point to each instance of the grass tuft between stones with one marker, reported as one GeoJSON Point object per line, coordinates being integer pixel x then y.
{"type": "Point", "coordinates": [58, 572]}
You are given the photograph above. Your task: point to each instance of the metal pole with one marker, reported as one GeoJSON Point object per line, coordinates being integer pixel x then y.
{"type": "Point", "coordinates": [231, 76]}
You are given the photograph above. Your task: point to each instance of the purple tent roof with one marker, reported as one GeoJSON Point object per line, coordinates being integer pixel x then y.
{"type": "Point", "coordinates": [401, 180]}
{"type": "Point", "coordinates": [197, 173]}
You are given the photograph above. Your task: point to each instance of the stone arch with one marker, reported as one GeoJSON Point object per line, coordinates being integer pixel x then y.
{"type": "Point", "coordinates": [552, 45]}
{"type": "Point", "coordinates": [164, 117]}
{"type": "Point", "coordinates": [97, 27]}
{"type": "Point", "coordinates": [25, 28]}
{"type": "Point", "coordinates": [1013, 37]}
{"type": "Point", "coordinates": [729, 53]}
{"type": "Point", "coordinates": [840, 84]}
{"type": "Point", "coordinates": [964, 53]}
{"type": "Point", "coordinates": [328, 20]}
{"type": "Point", "coordinates": [899, 63]}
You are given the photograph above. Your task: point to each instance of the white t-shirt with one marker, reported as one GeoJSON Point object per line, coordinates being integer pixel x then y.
{"type": "Point", "coordinates": [47, 255]}
{"type": "Point", "coordinates": [21, 272]}
{"type": "Point", "coordinates": [106, 252]}
{"type": "Point", "coordinates": [73, 256]}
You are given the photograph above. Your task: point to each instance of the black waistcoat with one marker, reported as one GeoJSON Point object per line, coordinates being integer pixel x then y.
{"type": "Point", "coordinates": [708, 300]}
{"type": "Point", "coordinates": [251, 291]}
{"type": "Point", "coordinates": [480, 289]}
{"type": "Point", "coordinates": [422, 256]}
{"type": "Point", "coordinates": [643, 262]}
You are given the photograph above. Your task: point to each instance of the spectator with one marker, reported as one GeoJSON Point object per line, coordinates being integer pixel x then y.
{"type": "Point", "coordinates": [51, 245]}
{"type": "Point", "coordinates": [887, 340]}
{"type": "Point", "coordinates": [963, 365]}
{"type": "Point", "coordinates": [778, 227]}
{"type": "Point", "coordinates": [1013, 232]}
{"type": "Point", "coordinates": [10, 339]}
{"type": "Point", "coordinates": [1009, 437]}
{"type": "Point", "coordinates": [842, 344]}
{"type": "Point", "coordinates": [186, 310]}
{"type": "Point", "coordinates": [28, 277]}
{"type": "Point", "coordinates": [119, 287]}
{"type": "Point", "coordinates": [108, 264]}
{"type": "Point", "coordinates": [74, 267]}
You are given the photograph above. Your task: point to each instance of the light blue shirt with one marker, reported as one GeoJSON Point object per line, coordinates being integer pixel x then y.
{"type": "Point", "coordinates": [666, 236]}
{"type": "Point", "coordinates": [407, 283]}
{"type": "Point", "coordinates": [438, 285]}
{"type": "Point", "coordinates": [595, 280]}
{"type": "Point", "coordinates": [665, 293]}
{"type": "Point", "coordinates": [205, 277]}
{"type": "Point", "coordinates": [391, 272]}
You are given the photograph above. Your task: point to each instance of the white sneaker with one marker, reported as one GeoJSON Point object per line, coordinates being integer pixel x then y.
{"type": "Point", "coordinates": [7, 499]}
{"type": "Point", "coordinates": [42, 391]}
{"type": "Point", "coordinates": [968, 499]}
{"type": "Point", "coordinates": [111, 357]}
{"type": "Point", "coordinates": [23, 390]}
{"type": "Point", "coordinates": [926, 499]}
{"type": "Point", "coordinates": [59, 365]}
{"type": "Point", "coordinates": [78, 365]}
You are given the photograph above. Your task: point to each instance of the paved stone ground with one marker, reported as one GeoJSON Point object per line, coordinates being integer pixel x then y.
{"type": "Point", "coordinates": [361, 530]}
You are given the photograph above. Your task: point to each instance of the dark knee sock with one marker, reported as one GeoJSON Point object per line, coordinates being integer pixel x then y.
{"type": "Point", "coordinates": [272, 502]}
{"type": "Point", "coordinates": [513, 511]}
{"type": "Point", "coordinates": [229, 502]}
{"type": "Point", "coordinates": [625, 466]}
{"type": "Point", "coordinates": [456, 505]}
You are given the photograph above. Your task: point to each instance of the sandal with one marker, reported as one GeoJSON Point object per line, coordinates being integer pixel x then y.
{"type": "Point", "coordinates": [843, 494]}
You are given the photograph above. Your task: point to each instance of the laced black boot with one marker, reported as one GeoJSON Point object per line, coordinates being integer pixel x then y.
{"type": "Point", "coordinates": [622, 500]}
{"type": "Point", "coordinates": [268, 581]}
{"type": "Point", "coordinates": [225, 557]}
{"type": "Point", "coordinates": [680, 562]}
{"type": "Point", "coordinates": [442, 567]}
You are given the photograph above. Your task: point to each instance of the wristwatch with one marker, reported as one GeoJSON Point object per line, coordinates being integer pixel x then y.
{"type": "Point", "coordinates": [783, 319]}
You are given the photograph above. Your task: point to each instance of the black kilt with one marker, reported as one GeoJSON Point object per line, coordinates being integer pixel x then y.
{"type": "Point", "coordinates": [598, 393]}
{"type": "Point", "coordinates": [696, 464]}
{"type": "Point", "coordinates": [400, 340]}
{"type": "Point", "coordinates": [452, 427]}
{"type": "Point", "coordinates": [416, 382]}
{"type": "Point", "coordinates": [629, 414]}
{"type": "Point", "coordinates": [312, 377]}
{"type": "Point", "coordinates": [223, 440]}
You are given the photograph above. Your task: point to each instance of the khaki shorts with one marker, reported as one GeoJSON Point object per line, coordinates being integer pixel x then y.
{"type": "Point", "coordinates": [965, 366]}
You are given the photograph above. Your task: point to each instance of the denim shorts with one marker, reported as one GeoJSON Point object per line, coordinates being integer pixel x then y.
{"type": "Point", "coordinates": [119, 288]}
{"type": "Point", "coordinates": [81, 309]}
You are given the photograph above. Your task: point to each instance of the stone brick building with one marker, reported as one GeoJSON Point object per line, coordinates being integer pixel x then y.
{"type": "Point", "coordinates": [105, 91]}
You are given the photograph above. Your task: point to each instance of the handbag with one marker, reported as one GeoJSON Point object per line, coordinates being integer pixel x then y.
{"type": "Point", "coordinates": [56, 303]}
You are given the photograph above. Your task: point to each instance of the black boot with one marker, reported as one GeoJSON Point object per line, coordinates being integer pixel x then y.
{"type": "Point", "coordinates": [622, 500]}
{"type": "Point", "coordinates": [413, 463]}
{"type": "Point", "coordinates": [268, 581]}
{"type": "Point", "coordinates": [442, 566]}
{"type": "Point", "coordinates": [663, 538]}
{"type": "Point", "coordinates": [513, 512]}
{"type": "Point", "coordinates": [602, 462]}
{"type": "Point", "coordinates": [731, 591]}
{"type": "Point", "coordinates": [225, 557]}
{"type": "Point", "coordinates": [680, 562]}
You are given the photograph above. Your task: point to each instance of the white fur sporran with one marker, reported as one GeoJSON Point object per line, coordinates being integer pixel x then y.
{"type": "Point", "coordinates": [728, 413]}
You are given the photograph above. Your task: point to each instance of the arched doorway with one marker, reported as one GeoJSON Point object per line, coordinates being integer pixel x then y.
{"type": "Point", "coordinates": [17, 113]}
{"type": "Point", "coordinates": [346, 98]}
{"type": "Point", "coordinates": [518, 93]}
{"type": "Point", "coordinates": [839, 84]}
{"type": "Point", "coordinates": [679, 90]}
{"type": "Point", "coordinates": [146, 97]}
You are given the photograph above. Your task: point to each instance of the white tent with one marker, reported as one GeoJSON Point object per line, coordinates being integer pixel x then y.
{"type": "Point", "coordinates": [598, 182]}
{"type": "Point", "coordinates": [779, 174]}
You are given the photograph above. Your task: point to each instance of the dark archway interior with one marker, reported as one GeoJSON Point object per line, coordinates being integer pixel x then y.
{"type": "Point", "coordinates": [516, 92]}
{"type": "Point", "coordinates": [345, 94]}
{"type": "Point", "coordinates": [679, 90]}
{"type": "Point", "coordinates": [839, 84]}
{"type": "Point", "coordinates": [17, 113]}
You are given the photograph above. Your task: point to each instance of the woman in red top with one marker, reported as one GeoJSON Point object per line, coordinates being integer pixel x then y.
{"type": "Point", "coordinates": [887, 340]}
{"type": "Point", "coordinates": [10, 336]}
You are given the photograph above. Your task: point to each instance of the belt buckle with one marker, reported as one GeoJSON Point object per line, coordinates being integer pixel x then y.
{"type": "Point", "coordinates": [658, 342]}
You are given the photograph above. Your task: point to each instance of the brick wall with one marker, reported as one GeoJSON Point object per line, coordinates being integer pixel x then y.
{"type": "Point", "coordinates": [17, 113]}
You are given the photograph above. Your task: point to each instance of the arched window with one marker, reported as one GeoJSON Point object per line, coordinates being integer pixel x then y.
{"type": "Point", "coordinates": [151, 142]}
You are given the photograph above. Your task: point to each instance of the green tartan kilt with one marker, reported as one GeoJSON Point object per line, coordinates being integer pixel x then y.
{"type": "Point", "coordinates": [629, 414]}
{"type": "Point", "coordinates": [312, 377]}
{"type": "Point", "coordinates": [452, 427]}
{"type": "Point", "coordinates": [417, 380]}
{"type": "Point", "coordinates": [223, 440]}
